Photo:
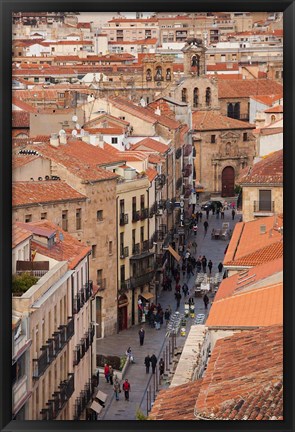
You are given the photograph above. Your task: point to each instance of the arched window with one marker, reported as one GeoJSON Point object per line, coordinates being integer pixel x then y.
{"type": "Point", "coordinates": [208, 96]}
{"type": "Point", "coordinates": [230, 110]}
{"type": "Point", "coordinates": [196, 97]}
{"type": "Point", "coordinates": [158, 76]}
{"type": "Point", "coordinates": [148, 75]}
{"type": "Point", "coordinates": [184, 95]}
{"type": "Point", "coordinates": [195, 64]}
{"type": "Point", "coordinates": [273, 118]}
{"type": "Point", "coordinates": [168, 75]}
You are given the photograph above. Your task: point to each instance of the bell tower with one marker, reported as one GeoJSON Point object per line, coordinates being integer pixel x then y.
{"type": "Point", "coordinates": [194, 57]}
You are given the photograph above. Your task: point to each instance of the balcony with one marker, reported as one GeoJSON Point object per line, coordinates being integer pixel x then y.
{"type": "Point", "coordinates": [59, 399]}
{"type": "Point", "coordinates": [82, 401]}
{"type": "Point", "coordinates": [187, 150]}
{"type": "Point", "coordinates": [124, 252]}
{"type": "Point", "coordinates": [135, 216]}
{"type": "Point", "coordinates": [81, 349]}
{"type": "Point", "coordinates": [136, 249]}
{"type": "Point", "coordinates": [188, 169]}
{"type": "Point", "coordinates": [179, 183]}
{"type": "Point", "coordinates": [82, 296]}
{"type": "Point", "coordinates": [144, 213]}
{"type": "Point", "coordinates": [160, 181]}
{"type": "Point", "coordinates": [152, 210]}
{"type": "Point", "coordinates": [145, 246]}
{"type": "Point", "coordinates": [144, 279]}
{"type": "Point", "coordinates": [52, 348]}
{"type": "Point", "coordinates": [123, 219]}
{"type": "Point", "coordinates": [264, 207]}
{"type": "Point", "coordinates": [124, 286]}
{"type": "Point", "coordinates": [102, 283]}
{"type": "Point", "coordinates": [178, 153]}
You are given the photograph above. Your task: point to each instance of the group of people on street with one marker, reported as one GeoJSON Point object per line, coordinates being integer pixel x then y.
{"type": "Point", "coordinates": [117, 388]}
{"type": "Point", "coordinates": [150, 361]}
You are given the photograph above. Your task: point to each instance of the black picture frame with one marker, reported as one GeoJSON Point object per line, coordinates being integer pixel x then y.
{"type": "Point", "coordinates": [7, 7]}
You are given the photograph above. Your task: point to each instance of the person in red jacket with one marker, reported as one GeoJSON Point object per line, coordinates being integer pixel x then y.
{"type": "Point", "coordinates": [107, 372]}
{"type": "Point", "coordinates": [126, 388]}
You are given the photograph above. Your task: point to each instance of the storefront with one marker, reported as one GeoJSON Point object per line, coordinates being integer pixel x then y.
{"type": "Point", "coordinates": [122, 312]}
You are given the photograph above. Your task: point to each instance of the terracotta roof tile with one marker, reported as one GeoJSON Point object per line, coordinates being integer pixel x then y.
{"type": "Point", "coordinates": [19, 235]}
{"type": "Point", "coordinates": [248, 87]}
{"type": "Point", "coordinates": [244, 376]}
{"type": "Point", "coordinates": [20, 119]}
{"type": "Point", "coordinates": [176, 403]}
{"type": "Point", "coordinates": [83, 160]}
{"type": "Point", "coordinates": [256, 308]}
{"type": "Point", "coordinates": [275, 109]}
{"type": "Point", "coordinates": [22, 160]}
{"type": "Point", "coordinates": [268, 99]}
{"type": "Point", "coordinates": [223, 67]}
{"type": "Point", "coordinates": [151, 174]}
{"type": "Point", "coordinates": [35, 192]}
{"type": "Point", "coordinates": [16, 101]}
{"type": "Point", "coordinates": [269, 170]}
{"type": "Point", "coordinates": [150, 144]}
{"type": "Point", "coordinates": [211, 120]}
{"type": "Point", "coordinates": [69, 249]}
{"type": "Point", "coordinates": [245, 280]}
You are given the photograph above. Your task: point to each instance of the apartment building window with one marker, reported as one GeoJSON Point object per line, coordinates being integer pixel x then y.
{"type": "Point", "coordinates": [99, 215]}
{"type": "Point", "coordinates": [208, 96]}
{"type": "Point", "coordinates": [196, 97]}
{"type": "Point", "coordinates": [141, 234]}
{"type": "Point", "coordinates": [133, 204]}
{"type": "Point", "coordinates": [265, 200]}
{"type": "Point", "coordinates": [213, 139]}
{"type": "Point", "coordinates": [28, 218]}
{"type": "Point", "coordinates": [133, 238]}
{"type": "Point", "coordinates": [141, 202]}
{"type": "Point", "coordinates": [64, 218]}
{"type": "Point", "coordinates": [110, 248]}
{"type": "Point", "coordinates": [78, 219]}
{"type": "Point", "coordinates": [184, 95]}
{"type": "Point", "coordinates": [43, 216]}
{"type": "Point", "coordinates": [114, 140]}
{"type": "Point", "coordinates": [93, 251]}
{"type": "Point", "coordinates": [245, 136]}
{"type": "Point", "coordinates": [99, 276]}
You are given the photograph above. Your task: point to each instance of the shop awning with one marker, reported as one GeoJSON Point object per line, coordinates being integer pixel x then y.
{"type": "Point", "coordinates": [174, 253]}
{"type": "Point", "coordinates": [95, 406]}
{"type": "Point", "coordinates": [147, 296]}
{"type": "Point", "coordinates": [101, 396]}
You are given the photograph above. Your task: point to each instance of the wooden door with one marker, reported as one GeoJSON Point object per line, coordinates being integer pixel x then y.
{"type": "Point", "coordinates": [228, 182]}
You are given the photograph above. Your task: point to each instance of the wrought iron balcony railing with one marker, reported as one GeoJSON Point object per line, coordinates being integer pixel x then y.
{"type": "Point", "coordinates": [145, 278]}
{"type": "Point", "coordinates": [135, 216]}
{"type": "Point", "coordinates": [59, 399]}
{"type": "Point", "coordinates": [124, 252]}
{"type": "Point", "coordinates": [123, 219]}
{"type": "Point", "coordinates": [264, 206]}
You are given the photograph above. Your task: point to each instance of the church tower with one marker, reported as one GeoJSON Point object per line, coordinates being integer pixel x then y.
{"type": "Point", "coordinates": [194, 57]}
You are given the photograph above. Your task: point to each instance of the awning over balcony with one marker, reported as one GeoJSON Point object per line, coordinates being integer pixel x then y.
{"type": "Point", "coordinates": [174, 253]}
{"type": "Point", "coordinates": [147, 295]}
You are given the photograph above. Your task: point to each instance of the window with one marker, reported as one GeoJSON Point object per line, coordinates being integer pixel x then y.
{"type": "Point", "coordinates": [133, 205]}
{"type": "Point", "coordinates": [245, 136]}
{"type": "Point", "coordinates": [265, 200]}
{"type": "Point", "coordinates": [142, 234]}
{"type": "Point", "coordinates": [78, 219]}
{"type": "Point", "coordinates": [196, 97]}
{"type": "Point", "coordinates": [184, 95]}
{"type": "Point", "coordinates": [114, 140]}
{"type": "Point", "coordinates": [18, 369]}
{"type": "Point", "coordinates": [99, 215]}
{"type": "Point", "coordinates": [141, 202]}
{"type": "Point", "coordinates": [110, 248]}
{"type": "Point", "coordinates": [122, 273]}
{"type": "Point", "coordinates": [99, 276]}
{"type": "Point", "coordinates": [208, 96]}
{"type": "Point", "coordinates": [64, 218]}
{"type": "Point", "coordinates": [213, 139]}
{"type": "Point", "coordinates": [93, 251]}
{"type": "Point", "coordinates": [28, 218]}
{"type": "Point", "coordinates": [273, 118]}
{"type": "Point", "coordinates": [121, 244]}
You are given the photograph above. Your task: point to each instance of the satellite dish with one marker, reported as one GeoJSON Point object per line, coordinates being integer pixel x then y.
{"type": "Point", "coordinates": [74, 132]}
{"type": "Point", "coordinates": [78, 126]}
{"type": "Point", "coordinates": [74, 118]}
{"type": "Point", "coordinates": [61, 132]}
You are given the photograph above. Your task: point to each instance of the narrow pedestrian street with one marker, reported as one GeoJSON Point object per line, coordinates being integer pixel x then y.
{"type": "Point", "coordinates": [155, 339]}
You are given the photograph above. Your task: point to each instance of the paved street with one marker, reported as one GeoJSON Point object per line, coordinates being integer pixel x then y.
{"type": "Point", "coordinates": [154, 339]}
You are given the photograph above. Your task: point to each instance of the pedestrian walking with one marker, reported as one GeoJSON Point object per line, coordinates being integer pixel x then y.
{"type": "Point", "coordinates": [233, 213]}
{"type": "Point", "coordinates": [195, 229]}
{"type": "Point", "coordinates": [220, 267]}
{"type": "Point", "coordinates": [198, 265]}
{"type": "Point", "coordinates": [185, 289]}
{"type": "Point", "coordinates": [154, 361]}
{"type": "Point", "coordinates": [183, 268]}
{"type": "Point", "coordinates": [147, 362]}
{"type": "Point", "coordinates": [178, 298]}
{"type": "Point", "coordinates": [191, 301]}
{"type": "Point", "coordinates": [129, 355]}
{"type": "Point", "coordinates": [217, 212]}
{"type": "Point", "coordinates": [200, 215]}
{"type": "Point", "coordinates": [161, 367]}
{"type": "Point", "coordinates": [126, 388]}
{"type": "Point", "coordinates": [210, 265]}
{"type": "Point", "coordinates": [204, 263]}
{"type": "Point", "coordinates": [207, 213]}
{"type": "Point", "coordinates": [222, 213]}
{"type": "Point", "coordinates": [206, 300]}
{"type": "Point", "coordinates": [111, 374]}
{"type": "Point", "coordinates": [206, 227]}
{"type": "Point", "coordinates": [141, 334]}
{"type": "Point", "coordinates": [167, 316]}
{"type": "Point", "coordinates": [107, 372]}
{"type": "Point", "coordinates": [117, 387]}
{"type": "Point", "coordinates": [194, 245]}
{"type": "Point", "coordinates": [177, 287]}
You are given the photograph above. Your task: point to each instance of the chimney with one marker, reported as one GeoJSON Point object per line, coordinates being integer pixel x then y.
{"type": "Point", "coordinates": [262, 229]}
{"type": "Point", "coordinates": [85, 137]}
{"type": "Point", "coordinates": [99, 140]}
{"type": "Point", "coordinates": [158, 111]}
{"type": "Point", "coordinates": [54, 140]}
{"type": "Point", "coordinates": [63, 138]}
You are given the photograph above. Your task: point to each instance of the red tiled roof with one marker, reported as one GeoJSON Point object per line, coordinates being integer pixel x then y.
{"type": "Point", "coordinates": [149, 144]}
{"type": "Point", "coordinates": [81, 159]}
{"type": "Point", "coordinates": [19, 235]}
{"type": "Point", "coordinates": [243, 380]}
{"type": "Point", "coordinates": [263, 246]}
{"type": "Point", "coordinates": [105, 117]}
{"type": "Point", "coordinates": [151, 174]}
{"type": "Point", "coordinates": [105, 131]}
{"type": "Point", "coordinates": [269, 131]}
{"type": "Point", "coordinates": [22, 160]}
{"type": "Point", "coordinates": [247, 87]}
{"type": "Point", "coordinates": [20, 119]}
{"type": "Point", "coordinates": [176, 403]}
{"type": "Point", "coordinates": [211, 120]}
{"type": "Point", "coordinates": [269, 170]}
{"type": "Point", "coordinates": [268, 99]}
{"type": "Point", "coordinates": [69, 249]}
{"type": "Point", "coordinates": [223, 67]}
{"type": "Point", "coordinates": [23, 105]}
{"type": "Point", "coordinates": [35, 192]}
{"type": "Point", "coordinates": [275, 109]}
